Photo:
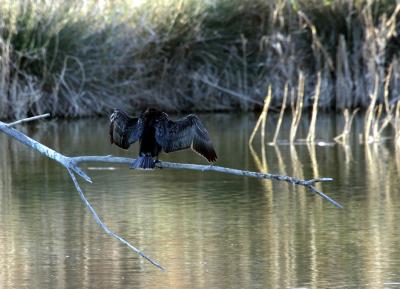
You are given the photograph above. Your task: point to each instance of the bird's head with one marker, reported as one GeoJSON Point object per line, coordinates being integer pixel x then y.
{"type": "Point", "coordinates": [153, 114]}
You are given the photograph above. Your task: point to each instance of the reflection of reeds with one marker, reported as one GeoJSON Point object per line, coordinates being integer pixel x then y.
{"type": "Point", "coordinates": [397, 124]}
{"type": "Point", "coordinates": [297, 165]}
{"type": "Point", "coordinates": [281, 163]}
{"type": "Point", "coordinates": [5, 172]}
{"type": "Point", "coordinates": [370, 189]}
{"type": "Point", "coordinates": [313, 157]}
{"type": "Point", "coordinates": [262, 166]}
{"type": "Point", "coordinates": [257, 160]}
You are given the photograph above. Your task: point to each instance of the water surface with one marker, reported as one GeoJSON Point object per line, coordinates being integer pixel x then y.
{"type": "Point", "coordinates": [209, 230]}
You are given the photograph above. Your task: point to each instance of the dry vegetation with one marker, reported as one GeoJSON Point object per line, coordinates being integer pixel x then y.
{"type": "Point", "coordinates": [81, 58]}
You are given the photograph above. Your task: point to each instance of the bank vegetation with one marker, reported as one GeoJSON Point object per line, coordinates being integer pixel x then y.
{"type": "Point", "coordinates": [83, 58]}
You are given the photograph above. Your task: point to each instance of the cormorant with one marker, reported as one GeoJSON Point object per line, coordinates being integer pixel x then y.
{"type": "Point", "coordinates": [156, 133]}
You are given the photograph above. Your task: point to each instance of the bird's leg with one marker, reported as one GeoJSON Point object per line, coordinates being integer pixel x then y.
{"type": "Point", "coordinates": [136, 163]}
{"type": "Point", "coordinates": [207, 167]}
{"type": "Point", "coordinates": [211, 165]}
{"type": "Point", "coordinates": [133, 165]}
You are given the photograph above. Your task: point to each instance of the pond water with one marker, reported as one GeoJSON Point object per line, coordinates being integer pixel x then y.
{"type": "Point", "coordinates": [209, 230]}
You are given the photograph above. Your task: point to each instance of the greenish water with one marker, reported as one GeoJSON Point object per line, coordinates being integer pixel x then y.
{"type": "Point", "coordinates": [208, 230]}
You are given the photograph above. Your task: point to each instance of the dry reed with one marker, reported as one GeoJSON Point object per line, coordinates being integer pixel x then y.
{"type": "Point", "coordinates": [81, 58]}
{"type": "Point", "coordinates": [343, 138]}
{"type": "Point", "coordinates": [311, 131]}
{"type": "Point", "coordinates": [281, 114]}
{"type": "Point", "coordinates": [262, 119]}
{"type": "Point", "coordinates": [297, 108]}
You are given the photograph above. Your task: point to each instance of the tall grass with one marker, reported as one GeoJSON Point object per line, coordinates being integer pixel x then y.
{"type": "Point", "coordinates": [81, 58]}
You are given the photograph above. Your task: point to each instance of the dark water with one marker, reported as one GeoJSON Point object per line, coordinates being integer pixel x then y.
{"type": "Point", "coordinates": [208, 230]}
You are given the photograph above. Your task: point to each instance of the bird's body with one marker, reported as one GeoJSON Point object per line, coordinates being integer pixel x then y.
{"type": "Point", "coordinates": [156, 133]}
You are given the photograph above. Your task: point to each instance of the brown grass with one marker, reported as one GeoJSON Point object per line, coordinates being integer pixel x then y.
{"type": "Point", "coordinates": [82, 58]}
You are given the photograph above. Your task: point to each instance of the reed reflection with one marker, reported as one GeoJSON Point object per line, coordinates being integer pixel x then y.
{"type": "Point", "coordinates": [369, 178]}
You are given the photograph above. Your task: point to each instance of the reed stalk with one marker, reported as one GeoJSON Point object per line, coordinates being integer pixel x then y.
{"type": "Point", "coordinates": [297, 109]}
{"type": "Point", "coordinates": [267, 103]}
{"type": "Point", "coordinates": [281, 114]}
{"type": "Point", "coordinates": [370, 114]}
{"type": "Point", "coordinates": [311, 131]}
{"type": "Point", "coordinates": [262, 118]}
{"type": "Point", "coordinates": [83, 58]}
{"type": "Point", "coordinates": [343, 138]}
{"type": "Point", "coordinates": [397, 124]}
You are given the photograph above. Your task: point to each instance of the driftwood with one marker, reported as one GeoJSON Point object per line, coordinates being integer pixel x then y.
{"type": "Point", "coordinates": [71, 164]}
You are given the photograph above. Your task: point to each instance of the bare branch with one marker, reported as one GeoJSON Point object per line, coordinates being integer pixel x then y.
{"type": "Point", "coordinates": [295, 181]}
{"type": "Point", "coordinates": [71, 165]}
{"type": "Point", "coordinates": [44, 150]}
{"type": "Point", "coordinates": [28, 119]}
{"type": "Point", "coordinates": [103, 226]}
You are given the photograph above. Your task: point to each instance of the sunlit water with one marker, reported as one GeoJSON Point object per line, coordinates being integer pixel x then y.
{"type": "Point", "coordinates": [208, 230]}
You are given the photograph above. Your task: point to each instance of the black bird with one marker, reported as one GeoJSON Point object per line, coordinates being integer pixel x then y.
{"type": "Point", "coordinates": [156, 133]}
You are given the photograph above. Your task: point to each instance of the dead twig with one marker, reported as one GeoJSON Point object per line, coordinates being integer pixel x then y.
{"type": "Point", "coordinates": [28, 119]}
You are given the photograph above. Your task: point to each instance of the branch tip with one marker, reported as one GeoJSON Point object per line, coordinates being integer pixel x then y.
{"type": "Point", "coordinates": [104, 226]}
{"type": "Point", "coordinates": [28, 119]}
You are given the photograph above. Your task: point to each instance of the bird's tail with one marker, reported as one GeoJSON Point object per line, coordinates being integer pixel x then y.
{"type": "Point", "coordinates": [144, 163]}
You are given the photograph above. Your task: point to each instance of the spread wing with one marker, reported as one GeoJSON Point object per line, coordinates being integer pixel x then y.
{"type": "Point", "coordinates": [124, 130]}
{"type": "Point", "coordinates": [184, 133]}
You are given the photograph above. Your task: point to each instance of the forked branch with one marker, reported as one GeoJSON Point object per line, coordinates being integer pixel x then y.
{"type": "Point", "coordinates": [71, 164]}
